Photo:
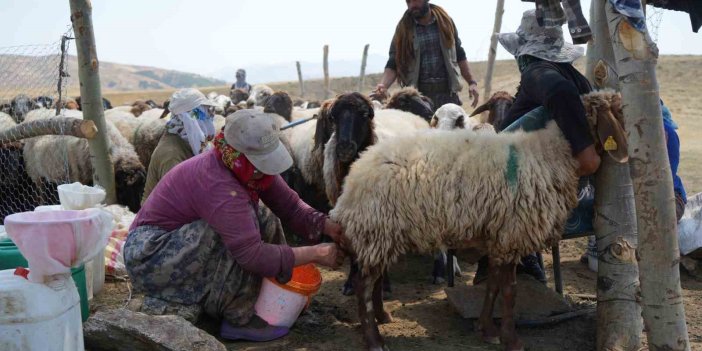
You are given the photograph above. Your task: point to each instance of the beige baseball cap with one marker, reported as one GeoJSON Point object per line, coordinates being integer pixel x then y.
{"type": "Point", "coordinates": [257, 136]}
{"type": "Point", "coordinates": [188, 99]}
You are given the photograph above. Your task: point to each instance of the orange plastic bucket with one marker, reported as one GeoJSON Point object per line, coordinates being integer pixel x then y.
{"type": "Point", "coordinates": [281, 304]}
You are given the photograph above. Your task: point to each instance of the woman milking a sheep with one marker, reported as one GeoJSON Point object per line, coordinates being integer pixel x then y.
{"type": "Point", "coordinates": [196, 246]}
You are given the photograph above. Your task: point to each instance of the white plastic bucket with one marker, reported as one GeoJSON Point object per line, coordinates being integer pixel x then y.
{"type": "Point", "coordinates": [39, 317]}
{"type": "Point", "coordinates": [76, 196]}
{"type": "Point", "coordinates": [280, 305]}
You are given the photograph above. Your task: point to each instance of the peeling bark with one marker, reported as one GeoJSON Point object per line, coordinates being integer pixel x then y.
{"type": "Point", "coordinates": [91, 96]}
{"type": "Point", "coordinates": [661, 299]}
{"type": "Point", "coordinates": [619, 323]}
{"type": "Point", "coordinates": [51, 126]}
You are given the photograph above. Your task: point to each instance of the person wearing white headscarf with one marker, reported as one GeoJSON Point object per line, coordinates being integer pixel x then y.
{"type": "Point", "coordinates": [189, 132]}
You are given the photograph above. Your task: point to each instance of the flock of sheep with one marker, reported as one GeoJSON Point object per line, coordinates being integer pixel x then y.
{"type": "Point", "coordinates": [398, 174]}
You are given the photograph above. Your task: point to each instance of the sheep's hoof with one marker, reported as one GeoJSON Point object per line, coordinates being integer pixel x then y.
{"type": "Point", "coordinates": [515, 345]}
{"type": "Point", "coordinates": [492, 340]}
{"type": "Point", "coordinates": [438, 280]}
{"type": "Point", "coordinates": [348, 290]}
{"type": "Point", "coordinates": [384, 318]}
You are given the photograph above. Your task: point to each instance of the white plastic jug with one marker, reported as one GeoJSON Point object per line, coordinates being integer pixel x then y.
{"type": "Point", "coordinates": [39, 317]}
{"type": "Point", "coordinates": [95, 274]}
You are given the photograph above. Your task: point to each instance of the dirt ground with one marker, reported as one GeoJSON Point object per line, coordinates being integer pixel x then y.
{"type": "Point", "coordinates": [424, 320]}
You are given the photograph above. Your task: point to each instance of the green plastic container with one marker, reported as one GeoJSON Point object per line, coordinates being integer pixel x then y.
{"type": "Point", "coordinates": [11, 258]}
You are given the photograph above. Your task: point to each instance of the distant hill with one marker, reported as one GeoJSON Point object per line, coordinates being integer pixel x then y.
{"type": "Point", "coordinates": [38, 75]}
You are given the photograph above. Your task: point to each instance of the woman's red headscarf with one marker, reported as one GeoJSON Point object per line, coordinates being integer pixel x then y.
{"type": "Point", "coordinates": [242, 168]}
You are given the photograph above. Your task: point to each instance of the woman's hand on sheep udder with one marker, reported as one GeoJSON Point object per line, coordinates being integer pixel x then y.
{"type": "Point", "coordinates": [329, 255]}
{"type": "Point", "coordinates": [335, 232]}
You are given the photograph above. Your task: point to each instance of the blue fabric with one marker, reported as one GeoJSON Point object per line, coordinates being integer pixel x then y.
{"type": "Point", "coordinates": [673, 146]}
{"type": "Point", "coordinates": [633, 11]}
{"type": "Point", "coordinates": [533, 120]}
{"type": "Point", "coordinates": [580, 220]}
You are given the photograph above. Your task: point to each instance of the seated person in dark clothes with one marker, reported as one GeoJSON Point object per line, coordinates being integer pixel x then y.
{"type": "Point", "coordinates": [548, 79]}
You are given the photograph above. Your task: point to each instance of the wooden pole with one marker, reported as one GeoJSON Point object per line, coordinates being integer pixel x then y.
{"type": "Point", "coordinates": [619, 323]}
{"type": "Point", "coordinates": [661, 296]}
{"type": "Point", "coordinates": [493, 48]}
{"type": "Point", "coordinates": [91, 96]}
{"type": "Point", "coordinates": [299, 78]}
{"type": "Point", "coordinates": [364, 60]}
{"type": "Point", "coordinates": [327, 88]}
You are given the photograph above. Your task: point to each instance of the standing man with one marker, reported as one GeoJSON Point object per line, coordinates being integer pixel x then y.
{"type": "Point", "coordinates": [241, 81]}
{"type": "Point", "coordinates": [426, 53]}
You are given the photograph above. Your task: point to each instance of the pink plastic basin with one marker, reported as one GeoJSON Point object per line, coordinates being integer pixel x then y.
{"type": "Point", "coordinates": [54, 241]}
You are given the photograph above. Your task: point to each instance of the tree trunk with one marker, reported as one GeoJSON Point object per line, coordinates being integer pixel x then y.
{"type": "Point", "coordinates": [362, 78]}
{"type": "Point", "coordinates": [91, 96]}
{"type": "Point", "coordinates": [493, 49]}
{"type": "Point", "coordinates": [619, 323]}
{"type": "Point", "coordinates": [663, 310]}
{"type": "Point", "coordinates": [299, 77]}
{"type": "Point", "coordinates": [51, 126]}
{"type": "Point", "coordinates": [327, 87]}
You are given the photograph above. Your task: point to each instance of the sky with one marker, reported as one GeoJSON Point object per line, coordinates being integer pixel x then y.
{"type": "Point", "coordinates": [209, 36]}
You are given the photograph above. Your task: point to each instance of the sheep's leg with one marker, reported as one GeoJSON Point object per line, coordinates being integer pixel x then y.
{"type": "Point", "coordinates": [381, 316]}
{"type": "Point", "coordinates": [486, 325]}
{"type": "Point", "coordinates": [508, 287]}
{"type": "Point", "coordinates": [439, 271]}
{"type": "Point", "coordinates": [387, 288]}
{"type": "Point", "coordinates": [365, 285]}
{"type": "Point", "coordinates": [348, 288]}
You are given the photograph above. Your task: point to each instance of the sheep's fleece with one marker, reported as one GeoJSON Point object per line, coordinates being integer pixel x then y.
{"type": "Point", "coordinates": [509, 194]}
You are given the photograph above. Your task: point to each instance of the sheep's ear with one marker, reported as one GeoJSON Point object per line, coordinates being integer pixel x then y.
{"type": "Point", "coordinates": [612, 137]}
{"type": "Point", "coordinates": [461, 122]}
{"type": "Point", "coordinates": [434, 121]}
{"type": "Point", "coordinates": [482, 108]}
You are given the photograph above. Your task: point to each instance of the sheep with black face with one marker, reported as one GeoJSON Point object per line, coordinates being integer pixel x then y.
{"type": "Point", "coordinates": [411, 100]}
{"type": "Point", "coordinates": [498, 105]}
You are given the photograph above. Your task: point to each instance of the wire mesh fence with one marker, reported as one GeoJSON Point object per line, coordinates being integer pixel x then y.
{"type": "Point", "coordinates": [654, 19]}
{"type": "Point", "coordinates": [33, 85]}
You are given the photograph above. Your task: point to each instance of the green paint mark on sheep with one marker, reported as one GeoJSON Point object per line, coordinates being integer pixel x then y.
{"type": "Point", "coordinates": [512, 170]}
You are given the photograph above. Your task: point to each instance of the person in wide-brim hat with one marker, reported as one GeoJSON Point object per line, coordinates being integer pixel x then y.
{"type": "Point", "coordinates": [548, 79]}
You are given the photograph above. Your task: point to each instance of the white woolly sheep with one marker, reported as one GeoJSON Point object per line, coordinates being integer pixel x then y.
{"type": "Point", "coordinates": [155, 113]}
{"type": "Point", "coordinates": [58, 159]}
{"type": "Point", "coordinates": [303, 113]}
{"type": "Point", "coordinates": [428, 191]}
{"type": "Point", "coordinates": [259, 94]}
{"type": "Point", "coordinates": [222, 101]}
{"type": "Point", "coordinates": [6, 121]}
{"type": "Point", "coordinates": [451, 116]}
{"type": "Point", "coordinates": [143, 132]}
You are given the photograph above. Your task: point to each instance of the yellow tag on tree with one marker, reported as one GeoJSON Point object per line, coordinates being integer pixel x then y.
{"type": "Point", "coordinates": [610, 144]}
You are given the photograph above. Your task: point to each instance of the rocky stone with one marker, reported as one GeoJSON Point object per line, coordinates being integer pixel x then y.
{"type": "Point", "coordinates": [122, 329]}
{"type": "Point", "coordinates": [535, 300]}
